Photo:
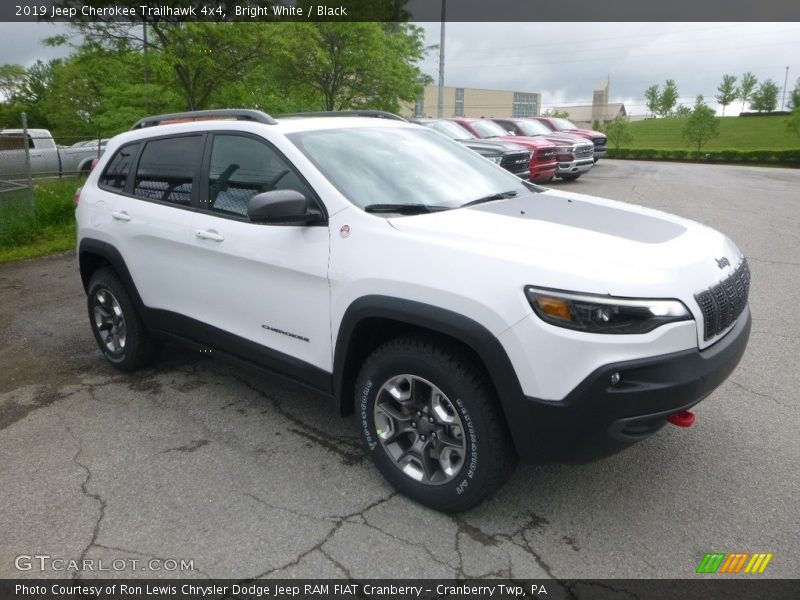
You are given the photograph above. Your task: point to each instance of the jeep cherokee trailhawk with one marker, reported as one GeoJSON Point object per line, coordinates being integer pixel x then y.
{"type": "Point", "coordinates": [467, 317]}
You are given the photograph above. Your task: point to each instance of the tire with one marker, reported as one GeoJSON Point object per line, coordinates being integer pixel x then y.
{"type": "Point", "coordinates": [430, 420]}
{"type": "Point", "coordinates": [572, 177]}
{"type": "Point", "coordinates": [119, 331]}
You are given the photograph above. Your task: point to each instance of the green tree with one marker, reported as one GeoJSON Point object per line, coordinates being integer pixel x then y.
{"type": "Point", "coordinates": [669, 97]}
{"type": "Point", "coordinates": [794, 96]}
{"type": "Point", "coordinates": [661, 102]}
{"type": "Point", "coordinates": [765, 98]}
{"type": "Point", "coordinates": [556, 114]}
{"type": "Point", "coordinates": [356, 65]}
{"type": "Point", "coordinates": [747, 87]}
{"type": "Point", "coordinates": [653, 98]}
{"type": "Point", "coordinates": [11, 79]}
{"type": "Point", "coordinates": [728, 91]}
{"type": "Point", "coordinates": [793, 122]}
{"type": "Point", "coordinates": [618, 132]}
{"type": "Point", "coordinates": [701, 126]}
{"type": "Point", "coordinates": [682, 111]}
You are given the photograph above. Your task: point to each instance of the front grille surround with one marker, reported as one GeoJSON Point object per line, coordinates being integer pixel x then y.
{"type": "Point", "coordinates": [516, 162]}
{"type": "Point", "coordinates": [721, 304]}
{"type": "Point", "coordinates": [584, 151]}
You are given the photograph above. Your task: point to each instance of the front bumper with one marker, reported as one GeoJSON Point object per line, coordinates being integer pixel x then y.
{"type": "Point", "coordinates": [597, 419]}
{"type": "Point", "coordinates": [581, 165]}
{"type": "Point", "coordinates": [600, 152]}
{"type": "Point", "coordinates": [542, 172]}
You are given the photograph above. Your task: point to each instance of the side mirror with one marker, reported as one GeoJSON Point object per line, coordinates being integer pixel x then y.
{"type": "Point", "coordinates": [281, 207]}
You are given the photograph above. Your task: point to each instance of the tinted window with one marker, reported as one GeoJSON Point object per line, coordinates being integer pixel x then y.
{"type": "Point", "coordinates": [242, 167]}
{"type": "Point", "coordinates": [116, 174]}
{"type": "Point", "coordinates": [166, 169]}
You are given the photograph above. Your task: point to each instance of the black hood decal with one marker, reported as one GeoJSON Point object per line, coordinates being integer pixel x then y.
{"type": "Point", "coordinates": [586, 215]}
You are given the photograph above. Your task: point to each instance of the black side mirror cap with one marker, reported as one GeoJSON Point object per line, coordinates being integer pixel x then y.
{"type": "Point", "coordinates": [282, 207]}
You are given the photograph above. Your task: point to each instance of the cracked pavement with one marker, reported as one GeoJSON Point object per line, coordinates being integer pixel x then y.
{"type": "Point", "coordinates": [250, 476]}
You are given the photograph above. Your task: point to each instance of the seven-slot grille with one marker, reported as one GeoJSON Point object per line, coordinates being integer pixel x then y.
{"type": "Point", "coordinates": [586, 151]}
{"type": "Point", "coordinates": [723, 303]}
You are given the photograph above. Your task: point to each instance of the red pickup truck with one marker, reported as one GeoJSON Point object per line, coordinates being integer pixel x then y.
{"type": "Point", "coordinates": [543, 152]}
{"type": "Point", "coordinates": [565, 126]}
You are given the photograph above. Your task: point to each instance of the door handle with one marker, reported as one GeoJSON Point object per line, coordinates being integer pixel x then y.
{"type": "Point", "coordinates": [209, 234]}
{"type": "Point", "coordinates": [121, 216]}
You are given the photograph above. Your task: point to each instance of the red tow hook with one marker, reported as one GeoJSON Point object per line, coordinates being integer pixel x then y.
{"type": "Point", "coordinates": [685, 418]}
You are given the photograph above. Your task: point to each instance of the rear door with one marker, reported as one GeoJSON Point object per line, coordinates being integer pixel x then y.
{"type": "Point", "coordinates": [256, 283]}
{"type": "Point", "coordinates": [151, 218]}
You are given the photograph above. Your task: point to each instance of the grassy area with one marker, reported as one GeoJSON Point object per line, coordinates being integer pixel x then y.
{"type": "Point", "coordinates": [52, 229]}
{"type": "Point", "coordinates": [735, 133]}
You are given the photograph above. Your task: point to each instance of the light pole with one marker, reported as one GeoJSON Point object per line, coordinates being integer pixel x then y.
{"type": "Point", "coordinates": [440, 104]}
{"type": "Point", "coordinates": [785, 79]}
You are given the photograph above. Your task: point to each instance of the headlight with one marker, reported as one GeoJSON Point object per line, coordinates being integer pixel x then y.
{"type": "Point", "coordinates": [495, 159]}
{"type": "Point", "coordinates": [603, 314]}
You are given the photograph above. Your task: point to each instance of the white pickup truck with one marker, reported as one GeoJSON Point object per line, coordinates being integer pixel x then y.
{"type": "Point", "coordinates": [46, 157]}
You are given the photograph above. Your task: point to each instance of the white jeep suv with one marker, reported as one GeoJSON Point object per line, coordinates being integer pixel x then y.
{"type": "Point", "coordinates": [466, 316]}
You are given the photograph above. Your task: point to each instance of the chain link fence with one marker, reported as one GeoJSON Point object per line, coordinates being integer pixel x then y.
{"type": "Point", "coordinates": [29, 156]}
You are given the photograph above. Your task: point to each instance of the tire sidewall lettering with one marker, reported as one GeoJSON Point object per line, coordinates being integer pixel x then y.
{"type": "Point", "coordinates": [372, 443]}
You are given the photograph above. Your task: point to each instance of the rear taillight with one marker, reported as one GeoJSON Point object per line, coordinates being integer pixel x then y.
{"type": "Point", "coordinates": [77, 197]}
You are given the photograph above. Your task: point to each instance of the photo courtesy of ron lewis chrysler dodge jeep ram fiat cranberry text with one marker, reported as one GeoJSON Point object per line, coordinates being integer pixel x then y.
{"type": "Point", "coordinates": [466, 316]}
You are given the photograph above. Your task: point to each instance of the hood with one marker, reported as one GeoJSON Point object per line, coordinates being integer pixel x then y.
{"type": "Point", "coordinates": [492, 146]}
{"type": "Point", "coordinates": [587, 133]}
{"type": "Point", "coordinates": [566, 138]}
{"type": "Point", "coordinates": [602, 246]}
{"type": "Point", "coordinates": [530, 143]}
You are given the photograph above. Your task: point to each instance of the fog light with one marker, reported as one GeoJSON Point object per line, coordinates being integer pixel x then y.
{"type": "Point", "coordinates": [615, 377]}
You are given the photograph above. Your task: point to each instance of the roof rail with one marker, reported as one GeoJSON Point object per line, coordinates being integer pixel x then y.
{"type": "Point", "coordinates": [377, 114]}
{"type": "Point", "coordinates": [237, 114]}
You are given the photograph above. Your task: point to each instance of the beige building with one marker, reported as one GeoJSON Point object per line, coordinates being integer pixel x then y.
{"type": "Point", "coordinates": [599, 110]}
{"type": "Point", "coordinates": [471, 102]}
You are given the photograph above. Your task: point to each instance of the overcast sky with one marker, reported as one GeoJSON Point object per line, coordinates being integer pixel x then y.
{"type": "Point", "coordinates": [564, 61]}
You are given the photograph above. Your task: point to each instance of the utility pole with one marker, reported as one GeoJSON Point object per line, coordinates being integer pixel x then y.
{"type": "Point", "coordinates": [440, 105]}
{"type": "Point", "coordinates": [146, 61]}
{"type": "Point", "coordinates": [785, 79]}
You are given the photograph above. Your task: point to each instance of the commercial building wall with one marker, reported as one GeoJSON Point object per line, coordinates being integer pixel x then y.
{"type": "Point", "coordinates": [472, 102]}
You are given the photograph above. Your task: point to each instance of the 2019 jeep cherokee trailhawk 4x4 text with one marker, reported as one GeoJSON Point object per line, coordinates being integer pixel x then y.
{"type": "Point", "coordinates": [466, 316]}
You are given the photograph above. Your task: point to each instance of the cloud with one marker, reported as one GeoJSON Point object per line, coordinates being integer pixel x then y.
{"type": "Point", "coordinates": [564, 61]}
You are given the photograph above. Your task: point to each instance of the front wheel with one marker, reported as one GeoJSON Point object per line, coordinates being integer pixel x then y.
{"type": "Point", "coordinates": [430, 420]}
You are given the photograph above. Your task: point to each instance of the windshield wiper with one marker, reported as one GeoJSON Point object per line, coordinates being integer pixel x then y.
{"type": "Point", "coordinates": [404, 209]}
{"type": "Point", "coordinates": [490, 197]}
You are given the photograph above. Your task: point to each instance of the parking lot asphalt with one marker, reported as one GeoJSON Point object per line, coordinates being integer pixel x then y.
{"type": "Point", "coordinates": [249, 476]}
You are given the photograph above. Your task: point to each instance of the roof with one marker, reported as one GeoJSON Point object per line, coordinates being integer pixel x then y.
{"type": "Point", "coordinates": [583, 112]}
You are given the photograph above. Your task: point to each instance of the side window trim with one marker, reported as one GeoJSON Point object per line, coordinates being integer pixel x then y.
{"type": "Point", "coordinates": [128, 173]}
{"type": "Point", "coordinates": [205, 169]}
{"type": "Point", "coordinates": [196, 173]}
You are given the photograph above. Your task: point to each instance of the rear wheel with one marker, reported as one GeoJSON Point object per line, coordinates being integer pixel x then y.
{"type": "Point", "coordinates": [118, 329]}
{"type": "Point", "coordinates": [430, 421]}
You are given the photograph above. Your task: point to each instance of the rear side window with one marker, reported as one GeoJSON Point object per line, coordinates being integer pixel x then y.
{"type": "Point", "coordinates": [116, 174]}
{"type": "Point", "coordinates": [166, 169]}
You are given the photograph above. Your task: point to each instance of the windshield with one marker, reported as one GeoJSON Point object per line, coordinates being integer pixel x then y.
{"type": "Point", "coordinates": [487, 129]}
{"type": "Point", "coordinates": [403, 166]}
{"type": "Point", "coordinates": [451, 130]}
{"type": "Point", "coordinates": [563, 124]}
{"type": "Point", "coordinates": [532, 128]}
